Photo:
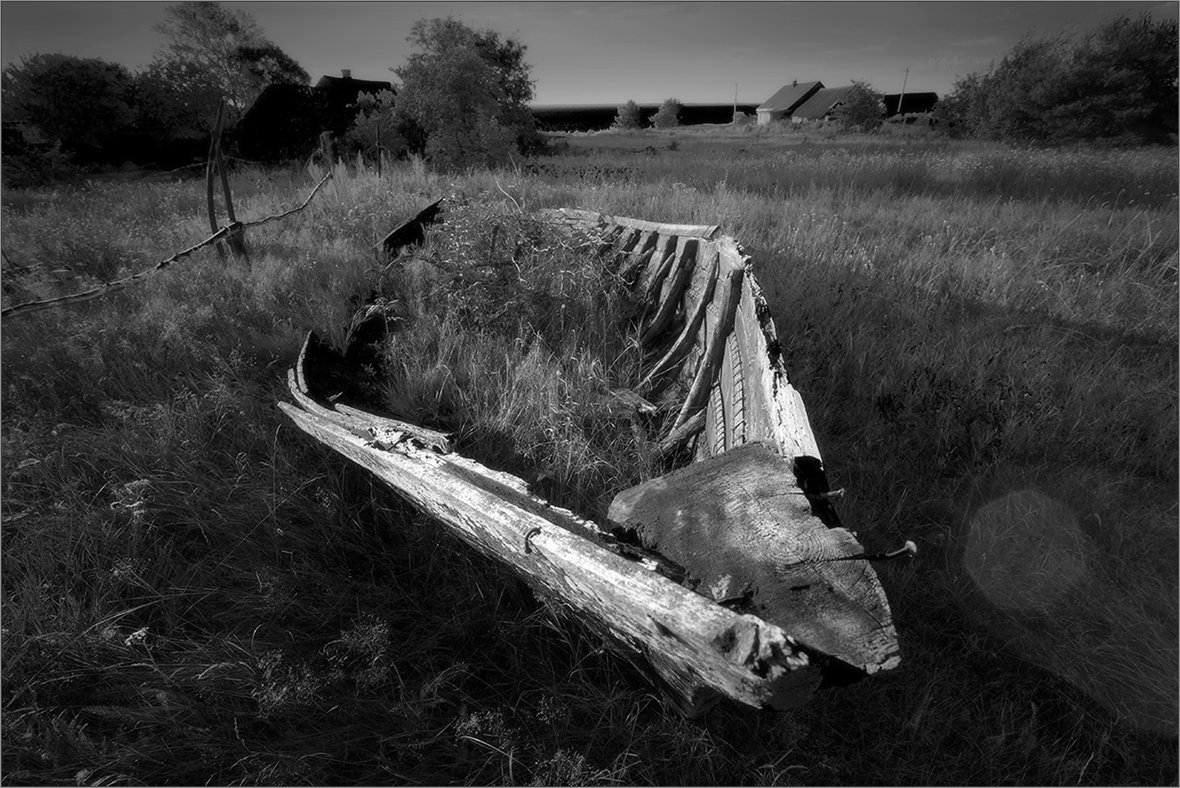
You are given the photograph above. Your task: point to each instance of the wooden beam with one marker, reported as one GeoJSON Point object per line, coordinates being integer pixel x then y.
{"type": "Point", "coordinates": [412, 231]}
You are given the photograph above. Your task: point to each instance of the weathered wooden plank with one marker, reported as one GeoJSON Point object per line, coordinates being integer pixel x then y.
{"type": "Point", "coordinates": [641, 253]}
{"type": "Point", "coordinates": [684, 342]}
{"type": "Point", "coordinates": [412, 231]}
{"type": "Point", "coordinates": [726, 303]}
{"type": "Point", "coordinates": [751, 348]}
{"type": "Point", "coordinates": [788, 427]}
{"type": "Point", "coordinates": [701, 650]}
{"type": "Point", "coordinates": [738, 523]}
{"type": "Point", "coordinates": [578, 217]}
{"type": "Point", "coordinates": [652, 278]}
{"type": "Point", "coordinates": [379, 428]}
{"type": "Point", "coordinates": [669, 299]}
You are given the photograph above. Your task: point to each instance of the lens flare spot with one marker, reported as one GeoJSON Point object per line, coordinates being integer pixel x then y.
{"type": "Point", "coordinates": [1025, 551]}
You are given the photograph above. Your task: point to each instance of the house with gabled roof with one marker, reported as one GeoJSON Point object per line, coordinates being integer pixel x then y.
{"type": "Point", "coordinates": [788, 98]}
{"type": "Point", "coordinates": [821, 105]}
{"type": "Point", "coordinates": [286, 119]}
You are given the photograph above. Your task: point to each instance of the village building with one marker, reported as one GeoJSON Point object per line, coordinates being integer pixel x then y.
{"type": "Point", "coordinates": [821, 106]}
{"type": "Point", "coordinates": [786, 101]}
{"type": "Point", "coordinates": [286, 119]}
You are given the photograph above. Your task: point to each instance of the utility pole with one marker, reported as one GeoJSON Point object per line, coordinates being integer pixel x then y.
{"type": "Point", "coordinates": [901, 98]}
{"type": "Point", "coordinates": [733, 119]}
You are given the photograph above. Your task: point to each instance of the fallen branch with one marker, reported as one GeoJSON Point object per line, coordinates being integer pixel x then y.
{"type": "Point", "coordinates": [29, 307]}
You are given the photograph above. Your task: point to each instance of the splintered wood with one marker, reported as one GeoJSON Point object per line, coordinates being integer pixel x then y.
{"type": "Point", "coordinates": [743, 529]}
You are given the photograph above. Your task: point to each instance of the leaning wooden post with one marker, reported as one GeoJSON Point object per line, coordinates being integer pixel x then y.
{"type": "Point", "coordinates": [210, 163]}
{"type": "Point", "coordinates": [378, 151]}
{"type": "Point", "coordinates": [329, 154]}
{"type": "Point", "coordinates": [237, 234]}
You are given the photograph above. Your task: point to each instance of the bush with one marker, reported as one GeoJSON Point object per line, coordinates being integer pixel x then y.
{"type": "Point", "coordinates": [377, 115]}
{"type": "Point", "coordinates": [862, 108]}
{"type": "Point", "coordinates": [35, 166]}
{"type": "Point", "coordinates": [668, 115]}
{"type": "Point", "coordinates": [82, 103]}
{"type": "Point", "coordinates": [628, 116]}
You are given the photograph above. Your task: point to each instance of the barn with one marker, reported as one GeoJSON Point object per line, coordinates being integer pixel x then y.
{"type": "Point", "coordinates": [285, 120]}
{"type": "Point", "coordinates": [788, 98]}
{"type": "Point", "coordinates": [821, 106]}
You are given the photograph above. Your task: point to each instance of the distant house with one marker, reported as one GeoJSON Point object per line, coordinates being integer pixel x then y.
{"type": "Point", "coordinates": [339, 95]}
{"type": "Point", "coordinates": [910, 103]}
{"type": "Point", "coordinates": [285, 120]}
{"type": "Point", "coordinates": [788, 98]}
{"type": "Point", "coordinates": [821, 106]}
{"type": "Point", "coordinates": [282, 123]}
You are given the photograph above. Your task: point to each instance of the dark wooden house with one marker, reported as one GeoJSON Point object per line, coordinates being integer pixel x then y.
{"type": "Point", "coordinates": [339, 96]}
{"type": "Point", "coordinates": [285, 121]}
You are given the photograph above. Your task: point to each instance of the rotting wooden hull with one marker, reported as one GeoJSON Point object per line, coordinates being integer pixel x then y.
{"type": "Point", "coordinates": [708, 334]}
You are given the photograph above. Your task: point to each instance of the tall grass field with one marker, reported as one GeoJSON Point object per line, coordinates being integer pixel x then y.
{"type": "Point", "coordinates": [986, 339]}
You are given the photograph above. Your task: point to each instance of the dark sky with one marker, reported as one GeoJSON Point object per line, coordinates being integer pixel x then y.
{"type": "Point", "coordinates": [608, 52]}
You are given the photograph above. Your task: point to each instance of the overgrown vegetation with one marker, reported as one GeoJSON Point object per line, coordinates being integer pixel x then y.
{"type": "Point", "coordinates": [861, 108]}
{"type": "Point", "coordinates": [986, 341]}
{"type": "Point", "coordinates": [1116, 84]}
{"type": "Point", "coordinates": [100, 114]}
{"type": "Point", "coordinates": [464, 96]}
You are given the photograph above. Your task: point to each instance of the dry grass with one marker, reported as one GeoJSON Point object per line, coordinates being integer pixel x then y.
{"type": "Point", "coordinates": [193, 592]}
{"type": "Point", "coordinates": [516, 336]}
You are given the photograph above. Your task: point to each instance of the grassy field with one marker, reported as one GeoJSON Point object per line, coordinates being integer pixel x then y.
{"type": "Point", "coordinates": [986, 340]}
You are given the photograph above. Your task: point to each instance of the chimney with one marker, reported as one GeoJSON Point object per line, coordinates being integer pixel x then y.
{"type": "Point", "coordinates": [794, 83]}
{"type": "Point", "coordinates": [346, 73]}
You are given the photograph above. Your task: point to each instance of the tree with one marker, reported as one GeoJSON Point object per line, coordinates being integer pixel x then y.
{"type": "Point", "coordinates": [1121, 83]}
{"type": "Point", "coordinates": [377, 112]}
{"type": "Point", "coordinates": [628, 116]}
{"type": "Point", "coordinates": [668, 115]}
{"type": "Point", "coordinates": [230, 47]}
{"type": "Point", "coordinates": [266, 63]}
{"type": "Point", "coordinates": [82, 103]}
{"type": "Point", "coordinates": [862, 107]}
{"type": "Point", "coordinates": [961, 112]}
{"type": "Point", "coordinates": [1117, 84]}
{"type": "Point", "coordinates": [464, 96]}
{"type": "Point", "coordinates": [175, 98]}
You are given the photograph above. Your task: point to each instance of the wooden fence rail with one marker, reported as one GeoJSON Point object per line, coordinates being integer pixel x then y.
{"type": "Point", "coordinates": [229, 231]}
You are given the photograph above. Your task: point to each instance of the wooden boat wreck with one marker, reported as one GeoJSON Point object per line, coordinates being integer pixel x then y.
{"type": "Point", "coordinates": [745, 585]}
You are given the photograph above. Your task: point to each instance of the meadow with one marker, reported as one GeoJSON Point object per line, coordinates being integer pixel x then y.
{"type": "Point", "coordinates": [986, 339]}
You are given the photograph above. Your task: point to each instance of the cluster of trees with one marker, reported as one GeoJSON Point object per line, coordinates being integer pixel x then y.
{"type": "Point", "coordinates": [95, 111]}
{"type": "Point", "coordinates": [1117, 84]}
{"type": "Point", "coordinates": [629, 116]}
{"type": "Point", "coordinates": [463, 99]}
{"type": "Point", "coordinates": [464, 94]}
